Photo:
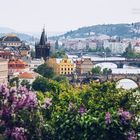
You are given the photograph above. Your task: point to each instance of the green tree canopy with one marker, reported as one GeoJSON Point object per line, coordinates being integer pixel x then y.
{"type": "Point", "coordinates": [26, 83]}
{"type": "Point", "coordinates": [96, 70]}
{"type": "Point", "coordinates": [107, 71]}
{"type": "Point", "coordinates": [40, 84]}
{"type": "Point", "coordinates": [45, 71]}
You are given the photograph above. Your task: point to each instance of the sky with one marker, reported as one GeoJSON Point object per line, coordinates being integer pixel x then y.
{"type": "Point", "coordinates": [64, 15]}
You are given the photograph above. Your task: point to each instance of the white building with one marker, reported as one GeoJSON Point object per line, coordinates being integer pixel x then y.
{"type": "Point", "coordinates": [115, 46]}
{"type": "Point", "coordinates": [35, 63]}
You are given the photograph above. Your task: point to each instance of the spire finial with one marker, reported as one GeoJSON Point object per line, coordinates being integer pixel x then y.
{"type": "Point", "coordinates": [44, 27]}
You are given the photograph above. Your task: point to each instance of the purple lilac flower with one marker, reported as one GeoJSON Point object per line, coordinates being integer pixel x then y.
{"type": "Point", "coordinates": [24, 100]}
{"type": "Point", "coordinates": [107, 118]}
{"type": "Point", "coordinates": [124, 116]}
{"type": "Point", "coordinates": [82, 110]}
{"type": "Point", "coordinates": [18, 133]}
{"type": "Point", "coordinates": [131, 136]}
{"type": "Point", "coordinates": [48, 102]}
{"type": "Point", "coordinates": [4, 91]}
{"type": "Point", "coordinates": [22, 90]}
{"type": "Point", "coordinates": [6, 111]}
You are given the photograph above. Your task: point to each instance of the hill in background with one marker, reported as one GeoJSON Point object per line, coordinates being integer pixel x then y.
{"type": "Point", "coordinates": [118, 30]}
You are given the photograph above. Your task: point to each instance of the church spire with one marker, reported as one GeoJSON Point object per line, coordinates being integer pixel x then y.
{"type": "Point", "coordinates": [43, 38]}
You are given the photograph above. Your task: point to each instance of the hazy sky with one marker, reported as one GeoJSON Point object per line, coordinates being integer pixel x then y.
{"type": "Point", "coordinates": [62, 15]}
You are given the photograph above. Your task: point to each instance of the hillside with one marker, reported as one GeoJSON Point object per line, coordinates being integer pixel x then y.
{"type": "Point", "coordinates": [119, 30]}
{"type": "Point", "coordinates": [22, 36]}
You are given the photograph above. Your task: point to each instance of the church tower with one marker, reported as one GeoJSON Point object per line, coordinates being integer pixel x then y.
{"type": "Point", "coordinates": [42, 48]}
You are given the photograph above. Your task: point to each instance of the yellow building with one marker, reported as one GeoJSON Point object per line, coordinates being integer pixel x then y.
{"type": "Point", "coordinates": [61, 66]}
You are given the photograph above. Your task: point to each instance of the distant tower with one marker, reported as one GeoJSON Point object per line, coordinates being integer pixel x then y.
{"type": "Point", "coordinates": [42, 49]}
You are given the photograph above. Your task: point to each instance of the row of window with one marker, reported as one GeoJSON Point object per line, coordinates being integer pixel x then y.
{"type": "Point", "coordinates": [65, 72]}
{"type": "Point", "coordinates": [66, 65]}
{"type": "Point", "coordinates": [12, 44]}
{"type": "Point", "coordinates": [66, 68]}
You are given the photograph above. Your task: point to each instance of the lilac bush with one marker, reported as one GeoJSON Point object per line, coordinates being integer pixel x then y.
{"type": "Point", "coordinates": [89, 112]}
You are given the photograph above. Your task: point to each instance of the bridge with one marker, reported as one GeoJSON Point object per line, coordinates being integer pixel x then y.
{"type": "Point", "coordinates": [82, 79]}
{"type": "Point", "coordinates": [119, 63]}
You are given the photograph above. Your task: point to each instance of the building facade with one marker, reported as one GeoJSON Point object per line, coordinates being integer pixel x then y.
{"type": "Point", "coordinates": [42, 49]}
{"type": "Point", "coordinates": [84, 65]}
{"type": "Point", "coordinates": [10, 40]}
{"type": "Point", "coordinates": [62, 66]}
{"type": "Point", "coordinates": [3, 71]}
{"type": "Point", "coordinates": [16, 66]}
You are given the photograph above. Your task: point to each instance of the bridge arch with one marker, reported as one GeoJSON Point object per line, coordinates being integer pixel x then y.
{"type": "Point", "coordinates": [106, 65]}
{"type": "Point", "coordinates": [127, 83]}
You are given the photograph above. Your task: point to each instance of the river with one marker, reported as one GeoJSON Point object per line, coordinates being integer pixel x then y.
{"type": "Point", "coordinates": [124, 83]}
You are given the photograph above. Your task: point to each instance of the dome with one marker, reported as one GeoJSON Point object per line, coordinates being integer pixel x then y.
{"type": "Point", "coordinates": [11, 38]}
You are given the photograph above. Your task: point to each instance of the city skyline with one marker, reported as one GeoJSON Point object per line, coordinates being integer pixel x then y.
{"type": "Point", "coordinates": [62, 15]}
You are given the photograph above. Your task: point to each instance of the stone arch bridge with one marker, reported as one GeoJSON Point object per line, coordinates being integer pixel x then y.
{"type": "Point", "coordinates": [103, 78]}
{"type": "Point", "coordinates": [119, 63]}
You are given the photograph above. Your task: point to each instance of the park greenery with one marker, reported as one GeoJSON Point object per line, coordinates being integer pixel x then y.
{"type": "Point", "coordinates": [92, 111]}
{"type": "Point", "coordinates": [130, 53]}
{"type": "Point", "coordinates": [58, 54]}
{"type": "Point", "coordinates": [45, 71]}
{"type": "Point", "coordinates": [98, 70]}
{"type": "Point", "coordinates": [42, 83]}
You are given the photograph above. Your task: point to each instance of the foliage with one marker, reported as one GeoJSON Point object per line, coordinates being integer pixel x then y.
{"type": "Point", "coordinates": [107, 71]}
{"type": "Point", "coordinates": [93, 111]}
{"type": "Point", "coordinates": [45, 71]}
{"type": "Point", "coordinates": [96, 70]}
{"type": "Point", "coordinates": [26, 84]}
{"type": "Point", "coordinates": [40, 84]}
{"type": "Point", "coordinates": [56, 45]}
{"type": "Point", "coordinates": [119, 30]}
{"type": "Point", "coordinates": [14, 82]}
{"type": "Point", "coordinates": [60, 78]}
{"type": "Point", "coordinates": [58, 54]}
{"type": "Point", "coordinates": [129, 52]}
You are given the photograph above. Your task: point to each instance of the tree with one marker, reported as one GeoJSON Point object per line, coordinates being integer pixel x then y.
{"type": "Point", "coordinates": [32, 53]}
{"type": "Point", "coordinates": [128, 51]}
{"type": "Point", "coordinates": [40, 84]}
{"type": "Point", "coordinates": [14, 82]}
{"type": "Point", "coordinates": [107, 71]}
{"type": "Point", "coordinates": [45, 71]}
{"type": "Point", "coordinates": [58, 54]}
{"type": "Point", "coordinates": [60, 78]}
{"type": "Point", "coordinates": [56, 45]}
{"type": "Point", "coordinates": [96, 70]}
{"type": "Point", "coordinates": [107, 50]}
{"type": "Point", "coordinates": [26, 84]}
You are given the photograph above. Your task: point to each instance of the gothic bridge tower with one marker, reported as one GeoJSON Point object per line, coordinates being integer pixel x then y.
{"type": "Point", "coordinates": [42, 48]}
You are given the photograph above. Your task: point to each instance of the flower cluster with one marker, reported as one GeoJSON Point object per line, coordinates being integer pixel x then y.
{"type": "Point", "coordinates": [131, 136]}
{"type": "Point", "coordinates": [82, 110]}
{"type": "Point", "coordinates": [124, 116]}
{"type": "Point", "coordinates": [13, 100]}
{"type": "Point", "coordinates": [17, 133]}
{"type": "Point", "coordinates": [107, 118]}
{"type": "Point", "coordinates": [48, 102]}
